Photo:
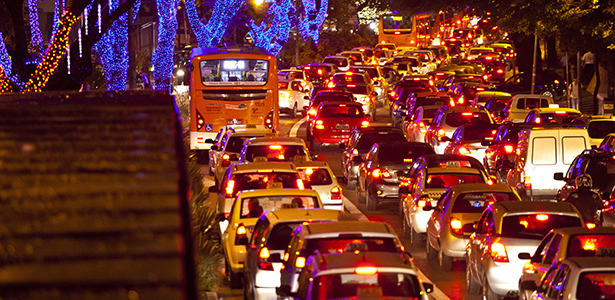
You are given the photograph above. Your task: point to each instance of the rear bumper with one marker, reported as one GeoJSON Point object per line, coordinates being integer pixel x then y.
{"type": "Point", "coordinates": [322, 137]}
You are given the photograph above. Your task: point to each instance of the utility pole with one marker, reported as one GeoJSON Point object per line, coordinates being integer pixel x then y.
{"type": "Point", "coordinates": [534, 64]}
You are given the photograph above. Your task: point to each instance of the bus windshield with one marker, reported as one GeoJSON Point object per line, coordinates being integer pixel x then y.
{"type": "Point", "coordinates": [234, 72]}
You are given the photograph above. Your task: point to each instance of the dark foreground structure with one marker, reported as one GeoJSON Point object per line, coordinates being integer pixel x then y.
{"type": "Point", "coordinates": [93, 198]}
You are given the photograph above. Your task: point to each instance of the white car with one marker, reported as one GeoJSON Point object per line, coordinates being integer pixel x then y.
{"type": "Point", "coordinates": [579, 278]}
{"type": "Point", "coordinates": [293, 96]}
{"type": "Point", "coordinates": [321, 178]}
{"type": "Point", "coordinates": [275, 149]}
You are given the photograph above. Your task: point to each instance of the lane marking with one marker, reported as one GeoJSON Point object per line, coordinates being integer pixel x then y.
{"type": "Point", "coordinates": [295, 128]}
{"type": "Point", "coordinates": [437, 294]}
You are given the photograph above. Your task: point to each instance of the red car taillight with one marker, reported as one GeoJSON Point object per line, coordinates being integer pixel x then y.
{"type": "Point", "coordinates": [230, 186]}
{"type": "Point", "coordinates": [422, 128]}
{"type": "Point", "coordinates": [336, 193]}
{"type": "Point", "coordinates": [226, 160]}
{"type": "Point", "coordinates": [263, 264]}
{"type": "Point", "coordinates": [319, 124]}
{"type": "Point", "coordinates": [527, 182]}
{"type": "Point", "coordinates": [456, 226]}
{"type": "Point", "coordinates": [498, 252]}
{"type": "Point", "coordinates": [509, 148]}
{"type": "Point", "coordinates": [377, 173]}
{"type": "Point", "coordinates": [300, 262]}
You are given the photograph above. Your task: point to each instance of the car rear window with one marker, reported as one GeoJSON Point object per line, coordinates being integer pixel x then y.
{"type": "Point", "coordinates": [557, 118]}
{"type": "Point", "coordinates": [600, 129]}
{"type": "Point", "coordinates": [340, 62]}
{"type": "Point", "coordinates": [253, 207]}
{"type": "Point", "coordinates": [264, 180]}
{"type": "Point", "coordinates": [235, 143]}
{"type": "Point", "coordinates": [273, 153]}
{"type": "Point", "coordinates": [476, 202]}
{"type": "Point", "coordinates": [401, 154]}
{"type": "Point", "coordinates": [357, 286]}
{"type": "Point", "coordinates": [342, 111]}
{"type": "Point", "coordinates": [535, 225]}
{"type": "Point", "coordinates": [456, 119]}
{"type": "Point", "coordinates": [372, 72]}
{"type": "Point", "coordinates": [596, 285]}
{"type": "Point", "coordinates": [319, 99]}
{"type": "Point", "coordinates": [444, 181]}
{"type": "Point", "coordinates": [476, 134]}
{"type": "Point", "coordinates": [357, 89]}
{"type": "Point", "coordinates": [282, 85]}
{"type": "Point", "coordinates": [342, 244]}
{"type": "Point", "coordinates": [583, 245]}
{"type": "Point", "coordinates": [353, 77]}
{"type": "Point", "coordinates": [315, 176]}
{"type": "Point", "coordinates": [532, 103]}
{"type": "Point", "coordinates": [367, 140]}
{"type": "Point", "coordinates": [280, 235]}
{"type": "Point", "coordinates": [316, 73]}
{"type": "Point", "coordinates": [437, 100]}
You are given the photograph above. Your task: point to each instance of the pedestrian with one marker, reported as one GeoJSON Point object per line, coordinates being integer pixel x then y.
{"type": "Point", "coordinates": [588, 62]}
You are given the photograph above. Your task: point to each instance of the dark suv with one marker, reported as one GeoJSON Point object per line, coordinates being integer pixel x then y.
{"type": "Point", "coordinates": [359, 143]}
{"type": "Point", "coordinates": [600, 165]}
{"type": "Point", "coordinates": [377, 179]}
{"type": "Point", "coordinates": [499, 156]}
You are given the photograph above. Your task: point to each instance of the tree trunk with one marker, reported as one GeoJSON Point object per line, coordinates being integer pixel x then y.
{"type": "Point", "coordinates": [20, 53]}
{"type": "Point", "coordinates": [552, 60]}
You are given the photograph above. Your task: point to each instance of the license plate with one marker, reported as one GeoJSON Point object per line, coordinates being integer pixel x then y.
{"type": "Point", "coordinates": [342, 126]}
{"type": "Point", "coordinates": [439, 103]}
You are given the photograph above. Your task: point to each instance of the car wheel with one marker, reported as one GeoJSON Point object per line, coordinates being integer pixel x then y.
{"type": "Point", "coordinates": [316, 146]}
{"type": "Point", "coordinates": [488, 293]}
{"type": "Point", "coordinates": [360, 196]}
{"type": "Point", "coordinates": [352, 184]}
{"type": "Point", "coordinates": [234, 278]}
{"type": "Point", "coordinates": [549, 93]}
{"type": "Point", "coordinates": [431, 252]}
{"type": "Point", "coordinates": [372, 202]}
{"type": "Point", "coordinates": [472, 286]}
{"type": "Point", "coordinates": [416, 238]}
{"type": "Point", "coordinates": [295, 111]}
{"type": "Point", "coordinates": [400, 211]}
{"type": "Point", "coordinates": [445, 261]}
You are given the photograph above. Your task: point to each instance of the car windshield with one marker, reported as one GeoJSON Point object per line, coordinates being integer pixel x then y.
{"type": "Point", "coordinates": [476, 202]}
{"type": "Point", "coordinates": [477, 134]}
{"type": "Point", "coordinates": [358, 286]}
{"type": "Point", "coordinates": [253, 207]}
{"type": "Point", "coordinates": [596, 285]}
{"type": "Point", "coordinates": [259, 181]}
{"type": "Point", "coordinates": [281, 233]}
{"type": "Point", "coordinates": [339, 244]}
{"type": "Point", "coordinates": [535, 225]}
{"type": "Point", "coordinates": [324, 98]}
{"type": "Point", "coordinates": [400, 154]}
{"type": "Point", "coordinates": [274, 153]}
{"type": "Point", "coordinates": [367, 140]}
{"type": "Point", "coordinates": [437, 100]}
{"type": "Point", "coordinates": [600, 129]}
{"type": "Point", "coordinates": [446, 180]}
{"type": "Point", "coordinates": [342, 111]}
{"type": "Point", "coordinates": [340, 62]}
{"type": "Point", "coordinates": [496, 105]}
{"type": "Point", "coordinates": [584, 245]}
{"type": "Point", "coordinates": [315, 175]}
{"type": "Point", "coordinates": [456, 119]}
{"type": "Point", "coordinates": [235, 143]}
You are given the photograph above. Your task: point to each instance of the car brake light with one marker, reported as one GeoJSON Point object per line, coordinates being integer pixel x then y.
{"type": "Point", "coordinates": [498, 252]}
{"type": "Point", "coordinates": [348, 73]}
{"type": "Point", "coordinates": [590, 225]}
{"type": "Point", "coordinates": [377, 173]}
{"type": "Point", "coordinates": [226, 160]}
{"type": "Point", "coordinates": [542, 217]}
{"type": "Point", "coordinates": [464, 150]}
{"type": "Point", "coordinates": [286, 255]}
{"type": "Point", "coordinates": [480, 89]}
{"type": "Point", "coordinates": [331, 84]}
{"type": "Point", "coordinates": [312, 112]}
{"type": "Point", "coordinates": [319, 72]}
{"type": "Point", "coordinates": [537, 120]}
{"type": "Point", "coordinates": [365, 270]}
{"type": "Point", "coordinates": [355, 152]}
{"type": "Point", "coordinates": [556, 81]}
{"type": "Point", "coordinates": [230, 186]}
{"type": "Point", "coordinates": [352, 85]}
{"type": "Point", "coordinates": [422, 128]}
{"type": "Point", "coordinates": [559, 112]}
{"type": "Point", "coordinates": [526, 183]}
{"type": "Point", "coordinates": [336, 193]}
{"type": "Point", "coordinates": [300, 262]}
{"type": "Point", "coordinates": [275, 147]}
{"type": "Point", "coordinates": [365, 124]}
{"type": "Point", "coordinates": [456, 226]}
{"type": "Point", "coordinates": [300, 184]}
{"type": "Point", "coordinates": [466, 114]}
{"type": "Point", "coordinates": [264, 253]}
{"type": "Point", "coordinates": [267, 266]}
{"type": "Point", "coordinates": [500, 71]}
{"type": "Point", "coordinates": [441, 132]}
{"type": "Point", "coordinates": [241, 230]}
{"type": "Point", "coordinates": [421, 203]}
{"type": "Point", "coordinates": [461, 100]}
{"type": "Point", "coordinates": [416, 79]}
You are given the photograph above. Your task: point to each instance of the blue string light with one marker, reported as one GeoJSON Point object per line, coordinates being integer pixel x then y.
{"type": "Point", "coordinates": [56, 18]}
{"type": "Point", "coordinates": [135, 9]}
{"type": "Point", "coordinates": [310, 26]}
{"type": "Point", "coordinates": [5, 59]}
{"type": "Point", "coordinates": [210, 34]}
{"type": "Point", "coordinates": [35, 31]}
{"type": "Point", "coordinates": [163, 55]}
{"type": "Point", "coordinates": [113, 51]}
{"type": "Point", "coordinates": [273, 37]}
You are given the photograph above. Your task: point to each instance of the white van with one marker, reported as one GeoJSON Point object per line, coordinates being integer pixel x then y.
{"type": "Point", "coordinates": [541, 152]}
{"type": "Point", "coordinates": [521, 104]}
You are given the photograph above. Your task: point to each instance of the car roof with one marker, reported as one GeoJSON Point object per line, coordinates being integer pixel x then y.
{"type": "Point", "coordinates": [592, 263]}
{"type": "Point", "coordinates": [525, 207]}
{"type": "Point", "coordinates": [447, 108]}
{"type": "Point", "coordinates": [550, 110]}
{"type": "Point", "coordinates": [298, 214]}
{"type": "Point", "coordinates": [310, 164]}
{"type": "Point", "coordinates": [255, 166]}
{"type": "Point", "coordinates": [481, 187]}
{"type": "Point", "coordinates": [277, 140]}
{"type": "Point", "coordinates": [493, 93]}
{"type": "Point", "coordinates": [395, 144]}
{"type": "Point", "coordinates": [439, 170]}
{"type": "Point", "coordinates": [584, 230]}
{"type": "Point", "coordinates": [276, 192]}
{"type": "Point", "coordinates": [444, 157]}
{"type": "Point", "coordinates": [427, 94]}
{"type": "Point", "coordinates": [350, 260]}
{"type": "Point", "coordinates": [320, 230]}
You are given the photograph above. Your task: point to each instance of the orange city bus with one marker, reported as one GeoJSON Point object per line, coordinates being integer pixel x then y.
{"type": "Point", "coordinates": [405, 30]}
{"type": "Point", "coordinates": [231, 86]}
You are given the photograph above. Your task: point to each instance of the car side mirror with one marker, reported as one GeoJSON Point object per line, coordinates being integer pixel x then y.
{"type": "Point", "coordinates": [524, 255]}
{"type": "Point", "coordinates": [429, 287]}
{"type": "Point", "coordinates": [529, 285]}
{"type": "Point", "coordinates": [485, 142]}
{"type": "Point", "coordinates": [558, 176]}
{"type": "Point", "coordinates": [357, 159]}
{"type": "Point", "coordinates": [243, 240]}
{"type": "Point", "coordinates": [213, 189]}
{"type": "Point", "coordinates": [209, 141]}
{"type": "Point", "coordinates": [469, 228]}
{"type": "Point", "coordinates": [214, 147]}
{"type": "Point", "coordinates": [314, 157]}
{"type": "Point", "coordinates": [342, 145]}
{"type": "Point", "coordinates": [306, 91]}
{"type": "Point", "coordinates": [306, 98]}
{"type": "Point", "coordinates": [445, 139]}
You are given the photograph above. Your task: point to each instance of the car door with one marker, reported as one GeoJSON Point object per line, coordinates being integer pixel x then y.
{"type": "Point", "coordinates": [437, 218]}
{"type": "Point", "coordinates": [558, 284]}
{"type": "Point", "coordinates": [348, 151]}
{"type": "Point", "coordinates": [256, 242]}
{"type": "Point", "coordinates": [363, 168]}
{"type": "Point", "coordinates": [480, 240]}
